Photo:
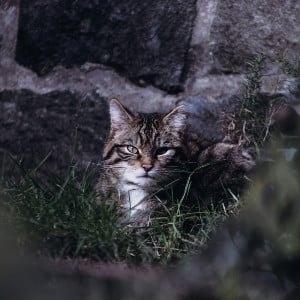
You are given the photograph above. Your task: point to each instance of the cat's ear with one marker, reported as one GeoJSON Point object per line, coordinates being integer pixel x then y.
{"type": "Point", "coordinates": [176, 118]}
{"type": "Point", "coordinates": [119, 114]}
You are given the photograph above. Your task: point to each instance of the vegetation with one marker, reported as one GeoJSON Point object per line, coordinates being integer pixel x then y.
{"type": "Point", "coordinates": [62, 218]}
{"type": "Point", "coordinates": [289, 68]}
{"type": "Point", "coordinates": [248, 124]}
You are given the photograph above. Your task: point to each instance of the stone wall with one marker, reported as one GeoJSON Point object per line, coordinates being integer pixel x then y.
{"type": "Point", "coordinates": [58, 57]}
{"type": "Point", "coordinates": [66, 127]}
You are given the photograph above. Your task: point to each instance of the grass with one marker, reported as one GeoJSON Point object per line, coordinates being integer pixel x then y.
{"type": "Point", "coordinates": [62, 218]}
{"type": "Point", "coordinates": [288, 67]}
{"type": "Point", "coordinates": [248, 124]}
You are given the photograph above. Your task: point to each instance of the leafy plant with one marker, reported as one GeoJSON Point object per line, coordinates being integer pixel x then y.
{"type": "Point", "coordinates": [248, 124]}
{"type": "Point", "coordinates": [289, 68]}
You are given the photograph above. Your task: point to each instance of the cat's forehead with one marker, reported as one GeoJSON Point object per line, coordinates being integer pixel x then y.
{"type": "Point", "coordinates": [151, 121]}
{"type": "Point", "coordinates": [145, 129]}
{"type": "Point", "coordinates": [148, 130]}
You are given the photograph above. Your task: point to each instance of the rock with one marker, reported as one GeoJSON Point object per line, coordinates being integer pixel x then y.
{"type": "Point", "coordinates": [35, 125]}
{"type": "Point", "coordinates": [194, 47]}
{"type": "Point", "coordinates": [41, 279]}
{"type": "Point", "coordinates": [242, 29]}
{"type": "Point", "coordinates": [146, 41]}
{"type": "Point", "coordinates": [8, 29]}
{"type": "Point", "coordinates": [229, 33]}
{"type": "Point", "coordinates": [105, 81]}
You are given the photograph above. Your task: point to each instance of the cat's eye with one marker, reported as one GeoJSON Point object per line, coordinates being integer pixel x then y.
{"type": "Point", "coordinates": [161, 151]}
{"type": "Point", "coordinates": [132, 149]}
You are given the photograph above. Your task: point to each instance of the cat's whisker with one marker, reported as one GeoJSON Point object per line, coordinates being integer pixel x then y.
{"type": "Point", "coordinates": [173, 171]}
{"type": "Point", "coordinates": [111, 167]}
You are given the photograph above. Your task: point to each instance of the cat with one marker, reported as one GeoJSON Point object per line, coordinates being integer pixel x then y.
{"type": "Point", "coordinates": [146, 153]}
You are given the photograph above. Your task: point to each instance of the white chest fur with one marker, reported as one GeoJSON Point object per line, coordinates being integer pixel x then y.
{"type": "Point", "coordinates": [135, 199]}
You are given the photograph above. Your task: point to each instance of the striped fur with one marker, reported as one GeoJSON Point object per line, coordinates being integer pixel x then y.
{"type": "Point", "coordinates": [144, 153]}
{"type": "Point", "coordinates": [158, 142]}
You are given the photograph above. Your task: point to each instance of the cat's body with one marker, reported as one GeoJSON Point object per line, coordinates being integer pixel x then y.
{"type": "Point", "coordinates": [145, 153]}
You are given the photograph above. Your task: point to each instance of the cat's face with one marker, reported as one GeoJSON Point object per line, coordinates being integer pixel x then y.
{"type": "Point", "coordinates": [145, 150]}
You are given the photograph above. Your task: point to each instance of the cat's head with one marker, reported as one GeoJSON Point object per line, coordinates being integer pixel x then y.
{"type": "Point", "coordinates": [145, 150]}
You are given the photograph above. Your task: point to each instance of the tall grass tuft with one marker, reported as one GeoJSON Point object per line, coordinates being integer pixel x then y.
{"type": "Point", "coordinates": [60, 217]}
{"type": "Point", "coordinates": [248, 124]}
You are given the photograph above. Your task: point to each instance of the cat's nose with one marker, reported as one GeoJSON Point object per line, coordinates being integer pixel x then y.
{"type": "Point", "coordinates": [147, 168]}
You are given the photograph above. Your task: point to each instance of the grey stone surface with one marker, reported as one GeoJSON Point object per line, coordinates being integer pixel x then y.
{"type": "Point", "coordinates": [229, 33]}
{"type": "Point", "coordinates": [84, 79]}
{"type": "Point", "coordinates": [243, 28]}
{"type": "Point", "coordinates": [8, 29]}
{"type": "Point", "coordinates": [144, 40]}
{"type": "Point", "coordinates": [33, 125]}
{"type": "Point", "coordinates": [139, 52]}
{"type": "Point", "coordinates": [204, 72]}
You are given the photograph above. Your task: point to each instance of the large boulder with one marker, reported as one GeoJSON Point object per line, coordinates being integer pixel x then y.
{"type": "Point", "coordinates": [63, 124]}
{"type": "Point", "coordinates": [144, 40]}
{"type": "Point", "coordinates": [195, 47]}
{"type": "Point", "coordinates": [241, 29]}
{"type": "Point", "coordinates": [229, 33]}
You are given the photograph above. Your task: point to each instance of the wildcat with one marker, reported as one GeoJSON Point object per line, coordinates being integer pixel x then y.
{"type": "Point", "coordinates": [147, 152]}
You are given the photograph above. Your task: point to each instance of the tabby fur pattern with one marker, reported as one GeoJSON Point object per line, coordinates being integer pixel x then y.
{"type": "Point", "coordinates": [147, 153]}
